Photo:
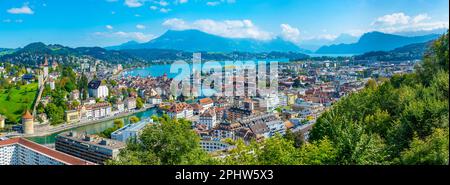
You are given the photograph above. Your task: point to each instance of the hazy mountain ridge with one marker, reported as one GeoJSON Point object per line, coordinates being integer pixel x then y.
{"type": "Point", "coordinates": [375, 41]}
{"type": "Point", "coordinates": [409, 52]}
{"type": "Point", "coordinates": [195, 40]}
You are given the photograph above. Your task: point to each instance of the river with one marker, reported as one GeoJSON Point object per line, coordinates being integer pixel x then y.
{"type": "Point", "coordinates": [94, 128]}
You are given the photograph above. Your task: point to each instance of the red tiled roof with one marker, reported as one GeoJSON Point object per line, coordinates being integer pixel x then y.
{"type": "Point", "coordinates": [59, 156]}
{"type": "Point", "coordinates": [27, 115]}
{"type": "Point", "coordinates": [206, 101]}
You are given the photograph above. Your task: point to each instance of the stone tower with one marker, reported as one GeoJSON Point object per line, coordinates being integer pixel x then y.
{"type": "Point", "coordinates": [27, 123]}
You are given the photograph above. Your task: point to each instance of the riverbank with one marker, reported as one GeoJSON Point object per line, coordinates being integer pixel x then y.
{"type": "Point", "coordinates": [65, 127]}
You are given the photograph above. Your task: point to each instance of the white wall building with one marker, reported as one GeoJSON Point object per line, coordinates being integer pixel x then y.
{"type": "Point", "coordinates": [97, 90]}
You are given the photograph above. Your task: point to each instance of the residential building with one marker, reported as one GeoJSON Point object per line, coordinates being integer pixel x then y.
{"type": "Point", "coordinates": [88, 147]}
{"type": "Point", "coordinates": [180, 110]}
{"type": "Point", "coordinates": [20, 151]}
{"type": "Point", "coordinates": [97, 89]}
{"type": "Point", "coordinates": [208, 118]}
{"type": "Point", "coordinates": [206, 103]}
{"type": "Point", "coordinates": [214, 145]}
{"type": "Point", "coordinates": [119, 106]}
{"type": "Point", "coordinates": [72, 116]}
{"type": "Point", "coordinates": [130, 103]}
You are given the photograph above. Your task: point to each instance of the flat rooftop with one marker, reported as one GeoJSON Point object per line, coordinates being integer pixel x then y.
{"type": "Point", "coordinates": [93, 140]}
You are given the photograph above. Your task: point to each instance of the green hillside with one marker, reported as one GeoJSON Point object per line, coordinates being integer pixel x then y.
{"type": "Point", "coordinates": [14, 101]}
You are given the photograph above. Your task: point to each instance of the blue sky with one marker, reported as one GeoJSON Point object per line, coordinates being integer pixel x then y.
{"type": "Point", "coordinates": [109, 22]}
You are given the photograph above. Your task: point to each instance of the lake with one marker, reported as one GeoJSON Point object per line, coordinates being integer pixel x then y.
{"type": "Point", "coordinates": [160, 69]}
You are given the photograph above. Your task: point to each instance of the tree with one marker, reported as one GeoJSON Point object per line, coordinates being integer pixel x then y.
{"type": "Point", "coordinates": [298, 138]}
{"type": "Point", "coordinates": [433, 150]}
{"type": "Point", "coordinates": [55, 113]}
{"type": "Point", "coordinates": [118, 123]}
{"type": "Point", "coordinates": [134, 119]}
{"type": "Point", "coordinates": [139, 103]}
{"type": "Point", "coordinates": [167, 142]}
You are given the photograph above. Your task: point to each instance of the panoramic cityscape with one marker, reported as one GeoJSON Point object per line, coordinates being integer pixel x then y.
{"type": "Point", "coordinates": [224, 82]}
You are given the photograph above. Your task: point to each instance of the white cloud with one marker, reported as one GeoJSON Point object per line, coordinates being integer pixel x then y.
{"type": "Point", "coordinates": [213, 3]}
{"type": "Point", "coordinates": [163, 3]}
{"type": "Point", "coordinates": [400, 22]}
{"type": "Point", "coordinates": [140, 26]}
{"type": "Point", "coordinates": [290, 33]}
{"type": "Point", "coordinates": [420, 18]}
{"type": "Point", "coordinates": [134, 3]}
{"type": "Point", "coordinates": [182, 1]}
{"type": "Point", "coordinates": [109, 27]}
{"type": "Point", "coordinates": [137, 36]}
{"type": "Point", "coordinates": [165, 10]}
{"type": "Point", "coordinates": [25, 9]}
{"type": "Point", "coordinates": [153, 7]}
{"type": "Point", "coordinates": [176, 24]}
{"type": "Point", "coordinates": [226, 28]}
{"type": "Point", "coordinates": [392, 19]}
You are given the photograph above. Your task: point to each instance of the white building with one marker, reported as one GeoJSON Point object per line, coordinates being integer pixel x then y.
{"type": "Point", "coordinates": [20, 151]}
{"type": "Point", "coordinates": [214, 145]}
{"type": "Point", "coordinates": [97, 89]}
{"type": "Point", "coordinates": [130, 103]}
{"type": "Point", "coordinates": [208, 118]}
{"type": "Point", "coordinates": [130, 131]}
{"type": "Point", "coordinates": [180, 110]}
{"type": "Point", "coordinates": [120, 106]}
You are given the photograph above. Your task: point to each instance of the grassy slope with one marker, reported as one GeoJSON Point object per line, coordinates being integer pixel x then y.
{"type": "Point", "coordinates": [19, 100]}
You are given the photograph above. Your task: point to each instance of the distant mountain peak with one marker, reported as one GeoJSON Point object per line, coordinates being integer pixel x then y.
{"type": "Point", "coordinates": [196, 40]}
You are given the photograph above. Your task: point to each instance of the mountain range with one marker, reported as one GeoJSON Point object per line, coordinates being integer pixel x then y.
{"type": "Point", "coordinates": [375, 41]}
{"type": "Point", "coordinates": [195, 40]}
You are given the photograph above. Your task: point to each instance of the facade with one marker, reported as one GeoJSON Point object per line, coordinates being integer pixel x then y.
{"type": "Point", "coordinates": [214, 145]}
{"type": "Point", "coordinates": [98, 110]}
{"type": "Point", "coordinates": [238, 113]}
{"type": "Point", "coordinates": [97, 90]}
{"type": "Point", "coordinates": [72, 116]}
{"type": "Point", "coordinates": [130, 131]}
{"type": "Point", "coordinates": [130, 103]}
{"type": "Point", "coordinates": [155, 100]}
{"type": "Point", "coordinates": [119, 106]}
{"type": "Point", "coordinates": [51, 83]}
{"type": "Point", "coordinates": [20, 151]}
{"type": "Point", "coordinates": [88, 147]}
{"type": "Point", "coordinates": [208, 118]}
{"type": "Point", "coordinates": [206, 103]}
{"type": "Point", "coordinates": [180, 110]}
